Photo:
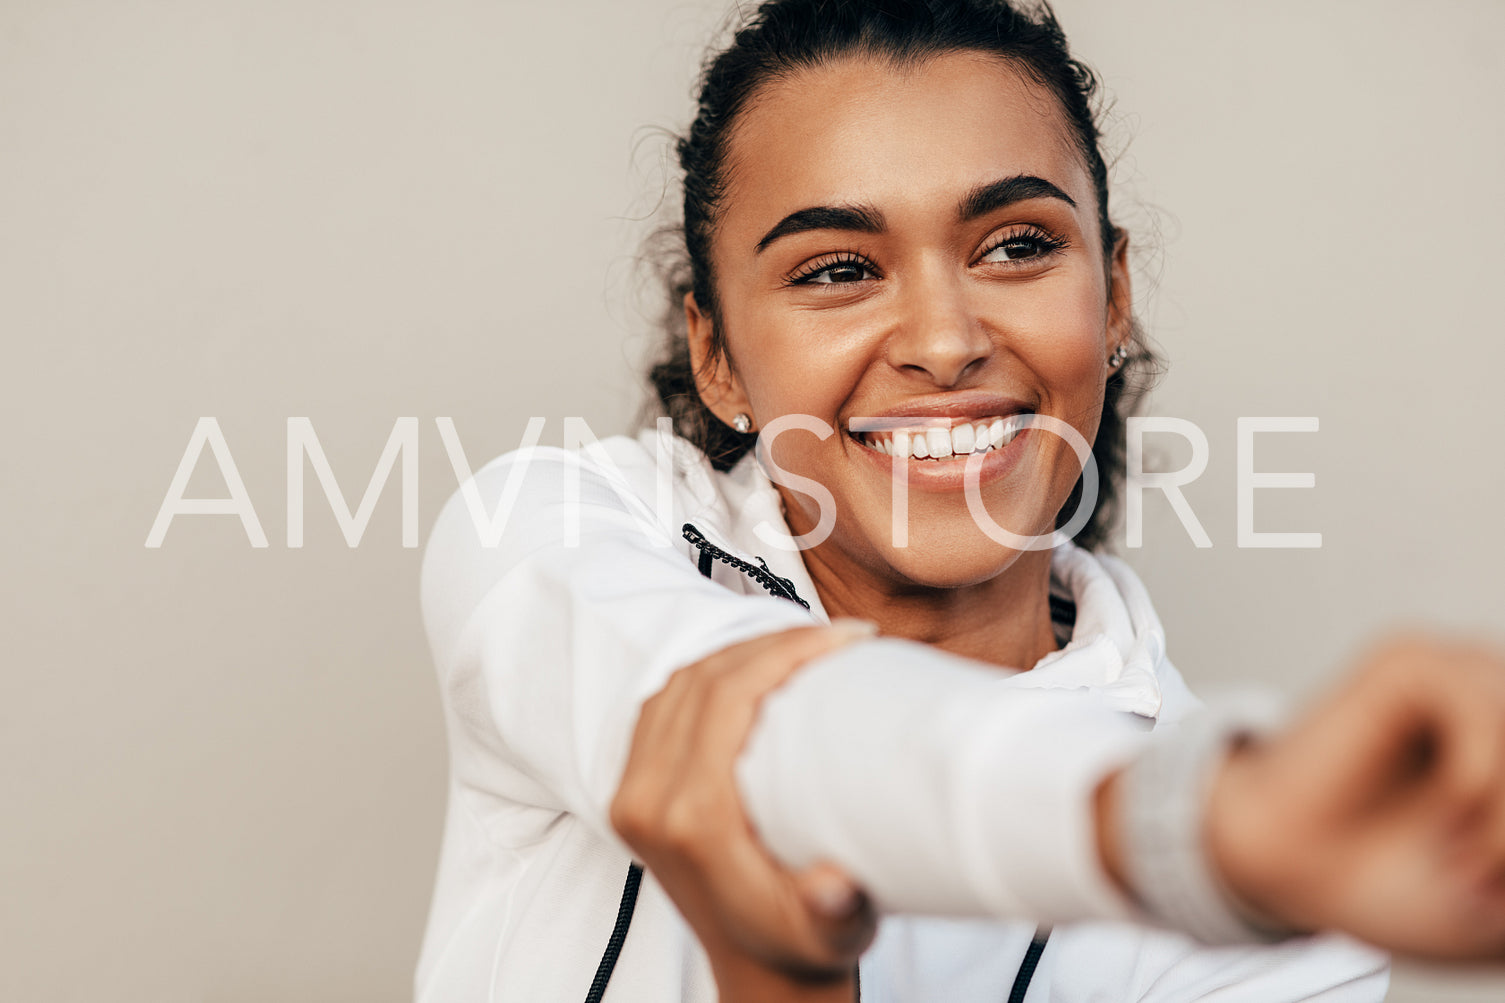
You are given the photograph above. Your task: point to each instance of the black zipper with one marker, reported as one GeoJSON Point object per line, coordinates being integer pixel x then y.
{"type": "Point", "coordinates": [764, 576]}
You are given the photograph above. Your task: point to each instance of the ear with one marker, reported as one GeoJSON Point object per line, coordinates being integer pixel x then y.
{"type": "Point", "coordinates": [1121, 298]}
{"type": "Point", "coordinates": [719, 388]}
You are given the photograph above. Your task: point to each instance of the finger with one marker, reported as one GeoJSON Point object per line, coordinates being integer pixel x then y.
{"type": "Point", "coordinates": [663, 727]}
{"type": "Point", "coordinates": [1461, 702]}
{"type": "Point", "coordinates": [1467, 713]}
{"type": "Point", "coordinates": [1423, 720]}
{"type": "Point", "coordinates": [725, 706]}
{"type": "Point", "coordinates": [839, 910]}
{"type": "Point", "coordinates": [730, 707]}
{"type": "Point", "coordinates": [758, 664]}
{"type": "Point", "coordinates": [736, 695]}
{"type": "Point", "coordinates": [805, 643]}
{"type": "Point", "coordinates": [656, 758]}
{"type": "Point", "coordinates": [797, 937]}
{"type": "Point", "coordinates": [828, 892]}
{"type": "Point", "coordinates": [704, 808]}
{"type": "Point", "coordinates": [688, 734]}
{"type": "Point", "coordinates": [1472, 809]}
{"type": "Point", "coordinates": [668, 720]}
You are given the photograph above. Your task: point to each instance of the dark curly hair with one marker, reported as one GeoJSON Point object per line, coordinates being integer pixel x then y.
{"type": "Point", "coordinates": [782, 37]}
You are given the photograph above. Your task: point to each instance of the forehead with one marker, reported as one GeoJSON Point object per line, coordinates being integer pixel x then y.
{"type": "Point", "coordinates": [860, 129]}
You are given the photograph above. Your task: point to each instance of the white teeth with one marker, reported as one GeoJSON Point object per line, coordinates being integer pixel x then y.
{"type": "Point", "coordinates": [941, 443]}
{"type": "Point", "coordinates": [1011, 428]}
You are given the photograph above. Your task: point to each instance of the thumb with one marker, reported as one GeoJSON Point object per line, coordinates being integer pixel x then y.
{"type": "Point", "coordinates": [842, 913]}
{"type": "Point", "coordinates": [828, 892]}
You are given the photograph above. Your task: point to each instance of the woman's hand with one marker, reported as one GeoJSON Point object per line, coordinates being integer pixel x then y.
{"type": "Point", "coordinates": [1381, 812]}
{"type": "Point", "coordinates": [769, 933]}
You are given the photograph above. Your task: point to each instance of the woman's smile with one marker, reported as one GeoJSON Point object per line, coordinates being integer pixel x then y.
{"type": "Point", "coordinates": [944, 438]}
{"type": "Point", "coordinates": [954, 471]}
{"type": "Point", "coordinates": [943, 443]}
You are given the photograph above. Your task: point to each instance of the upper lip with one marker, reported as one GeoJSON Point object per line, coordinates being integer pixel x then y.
{"type": "Point", "coordinates": [966, 406]}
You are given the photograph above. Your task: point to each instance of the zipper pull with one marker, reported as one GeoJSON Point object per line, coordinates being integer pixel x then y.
{"type": "Point", "coordinates": [786, 586]}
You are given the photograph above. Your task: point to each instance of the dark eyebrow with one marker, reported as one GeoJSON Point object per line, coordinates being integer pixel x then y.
{"type": "Point", "coordinates": [998, 194]}
{"type": "Point", "coordinates": [859, 218]}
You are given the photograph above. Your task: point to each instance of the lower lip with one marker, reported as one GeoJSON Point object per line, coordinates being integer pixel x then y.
{"type": "Point", "coordinates": [949, 474]}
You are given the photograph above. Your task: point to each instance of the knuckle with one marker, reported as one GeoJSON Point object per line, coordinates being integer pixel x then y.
{"type": "Point", "coordinates": [728, 687]}
{"type": "Point", "coordinates": [637, 815]}
{"type": "Point", "coordinates": [627, 818]}
{"type": "Point", "coordinates": [683, 828]}
{"type": "Point", "coordinates": [655, 704]}
{"type": "Point", "coordinates": [733, 695]}
{"type": "Point", "coordinates": [1402, 656]}
{"type": "Point", "coordinates": [680, 678]}
{"type": "Point", "coordinates": [697, 673]}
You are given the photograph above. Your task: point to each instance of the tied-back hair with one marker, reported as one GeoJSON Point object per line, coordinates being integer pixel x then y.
{"type": "Point", "coordinates": [783, 37]}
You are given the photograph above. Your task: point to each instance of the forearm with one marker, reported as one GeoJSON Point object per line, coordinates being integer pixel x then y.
{"type": "Point", "coordinates": [939, 785]}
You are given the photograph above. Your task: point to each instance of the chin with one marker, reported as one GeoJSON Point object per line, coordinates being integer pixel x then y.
{"type": "Point", "coordinates": [946, 561]}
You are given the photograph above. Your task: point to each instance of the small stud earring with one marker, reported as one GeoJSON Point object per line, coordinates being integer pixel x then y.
{"type": "Point", "coordinates": [742, 423]}
{"type": "Point", "coordinates": [1119, 357]}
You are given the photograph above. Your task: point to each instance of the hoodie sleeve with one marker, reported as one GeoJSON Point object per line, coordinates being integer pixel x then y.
{"type": "Point", "coordinates": [554, 609]}
{"type": "Point", "coordinates": [936, 782]}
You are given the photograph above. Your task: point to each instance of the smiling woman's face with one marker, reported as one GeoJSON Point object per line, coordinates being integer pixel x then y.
{"type": "Point", "coordinates": [918, 243]}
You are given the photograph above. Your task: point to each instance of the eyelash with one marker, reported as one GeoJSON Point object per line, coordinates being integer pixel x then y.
{"type": "Point", "coordinates": [825, 263]}
{"type": "Point", "coordinates": [1045, 243]}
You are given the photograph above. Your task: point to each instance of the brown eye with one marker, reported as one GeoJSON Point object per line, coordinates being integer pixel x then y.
{"type": "Point", "coordinates": [839, 268]}
{"type": "Point", "coordinates": [846, 271]}
{"type": "Point", "coordinates": [1015, 249]}
{"type": "Point", "coordinates": [1021, 247]}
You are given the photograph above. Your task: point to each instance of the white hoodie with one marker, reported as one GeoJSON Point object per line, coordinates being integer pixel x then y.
{"type": "Point", "coordinates": [945, 786]}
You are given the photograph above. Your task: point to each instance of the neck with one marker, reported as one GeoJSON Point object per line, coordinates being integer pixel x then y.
{"type": "Point", "coordinates": [1004, 620]}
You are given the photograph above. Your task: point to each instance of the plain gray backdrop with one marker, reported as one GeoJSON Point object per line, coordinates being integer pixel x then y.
{"type": "Point", "coordinates": [224, 767]}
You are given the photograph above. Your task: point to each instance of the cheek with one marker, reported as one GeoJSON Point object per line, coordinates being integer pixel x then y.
{"type": "Point", "coordinates": [801, 364]}
{"type": "Point", "coordinates": [1060, 336]}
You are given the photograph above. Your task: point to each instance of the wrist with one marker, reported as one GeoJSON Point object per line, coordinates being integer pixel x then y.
{"type": "Point", "coordinates": [1241, 846]}
{"type": "Point", "coordinates": [1179, 842]}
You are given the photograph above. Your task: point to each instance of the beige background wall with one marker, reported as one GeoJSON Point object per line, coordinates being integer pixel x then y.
{"type": "Point", "coordinates": [224, 766]}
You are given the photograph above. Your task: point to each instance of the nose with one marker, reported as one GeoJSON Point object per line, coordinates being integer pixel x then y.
{"type": "Point", "coordinates": [938, 336]}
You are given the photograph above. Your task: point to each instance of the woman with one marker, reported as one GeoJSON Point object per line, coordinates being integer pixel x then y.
{"type": "Point", "coordinates": [907, 315]}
